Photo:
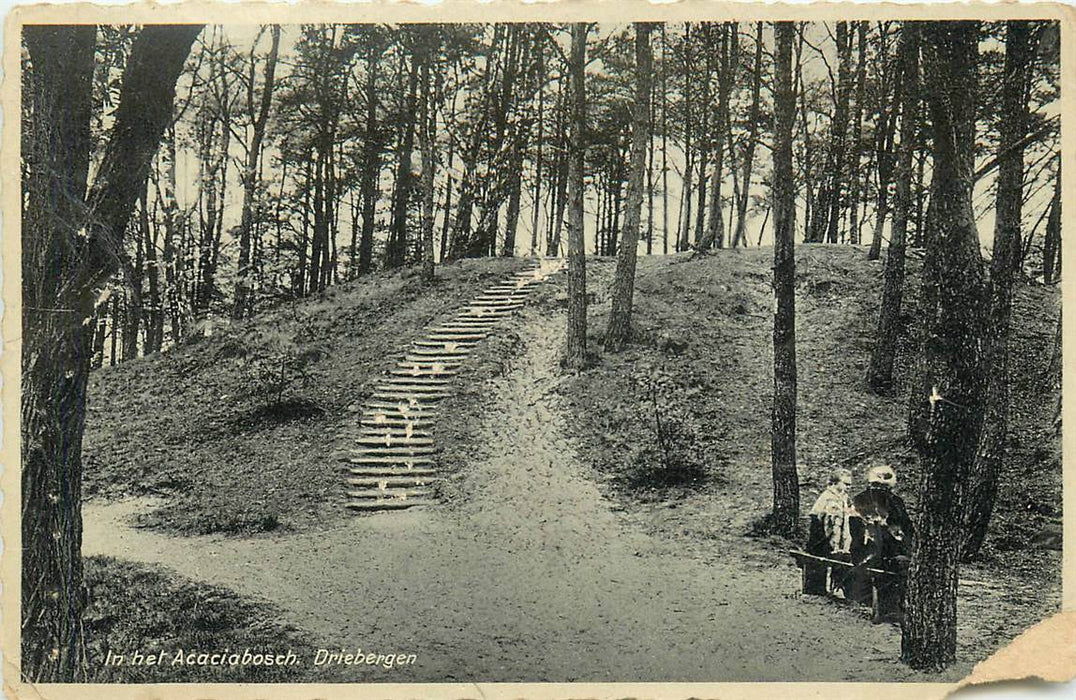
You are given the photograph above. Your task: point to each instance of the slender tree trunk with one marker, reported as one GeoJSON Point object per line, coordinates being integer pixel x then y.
{"type": "Point", "coordinates": [427, 135]}
{"type": "Point", "coordinates": [689, 160]}
{"type": "Point", "coordinates": [396, 250]}
{"type": "Point", "coordinates": [155, 322]}
{"type": "Point", "coordinates": [715, 232]}
{"type": "Point", "coordinates": [983, 485]}
{"type": "Point", "coordinates": [515, 191]}
{"type": "Point", "coordinates": [839, 145]}
{"type": "Point", "coordinates": [857, 134]}
{"type": "Point", "coordinates": [880, 371]}
{"type": "Point", "coordinates": [619, 331]}
{"type": "Point", "coordinates": [749, 157]}
{"type": "Point", "coordinates": [371, 160]}
{"type": "Point", "coordinates": [949, 400]}
{"type": "Point", "coordinates": [1051, 246]}
{"type": "Point", "coordinates": [242, 303]}
{"type": "Point", "coordinates": [786, 498]}
{"type": "Point", "coordinates": [664, 143]}
{"type": "Point", "coordinates": [576, 355]}
{"type": "Point", "coordinates": [536, 214]}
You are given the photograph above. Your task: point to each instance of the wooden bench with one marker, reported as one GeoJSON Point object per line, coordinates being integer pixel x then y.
{"type": "Point", "coordinates": [884, 585]}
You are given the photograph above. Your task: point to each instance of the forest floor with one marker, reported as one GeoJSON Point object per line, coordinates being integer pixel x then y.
{"type": "Point", "coordinates": [547, 543]}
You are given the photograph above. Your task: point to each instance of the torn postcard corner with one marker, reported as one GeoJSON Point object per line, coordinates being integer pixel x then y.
{"type": "Point", "coordinates": [1046, 652]}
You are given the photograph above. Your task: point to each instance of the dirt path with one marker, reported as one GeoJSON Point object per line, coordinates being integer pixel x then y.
{"type": "Point", "coordinates": [533, 578]}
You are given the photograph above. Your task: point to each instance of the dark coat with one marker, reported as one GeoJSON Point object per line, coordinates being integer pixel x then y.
{"type": "Point", "coordinates": [883, 515]}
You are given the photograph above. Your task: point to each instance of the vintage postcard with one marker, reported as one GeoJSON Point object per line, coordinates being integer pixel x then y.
{"type": "Point", "coordinates": [516, 350]}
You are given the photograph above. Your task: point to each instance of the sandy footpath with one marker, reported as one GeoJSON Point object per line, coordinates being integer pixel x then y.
{"type": "Point", "coordinates": [533, 577]}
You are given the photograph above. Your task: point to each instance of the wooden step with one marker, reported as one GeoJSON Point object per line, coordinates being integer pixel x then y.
{"type": "Point", "coordinates": [393, 412]}
{"type": "Point", "coordinates": [393, 472]}
{"type": "Point", "coordinates": [465, 329]}
{"type": "Point", "coordinates": [395, 440]}
{"type": "Point", "coordinates": [427, 397]}
{"type": "Point", "coordinates": [390, 494]}
{"type": "Point", "coordinates": [425, 364]}
{"type": "Point", "coordinates": [441, 352]}
{"type": "Point", "coordinates": [487, 310]}
{"type": "Point", "coordinates": [413, 386]}
{"type": "Point", "coordinates": [455, 336]}
{"type": "Point", "coordinates": [400, 461]}
{"type": "Point", "coordinates": [388, 481]}
{"type": "Point", "coordinates": [436, 380]}
{"type": "Point", "coordinates": [402, 373]}
{"type": "Point", "coordinates": [394, 504]}
{"type": "Point", "coordinates": [495, 303]}
{"type": "Point", "coordinates": [394, 451]}
{"type": "Point", "coordinates": [396, 431]}
{"type": "Point", "coordinates": [451, 345]}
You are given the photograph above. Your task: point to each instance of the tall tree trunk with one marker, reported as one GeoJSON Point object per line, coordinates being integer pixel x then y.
{"type": "Point", "coordinates": [1051, 245]}
{"type": "Point", "coordinates": [689, 160]}
{"type": "Point", "coordinates": [715, 230]}
{"type": "Point", "coordinates": [983, 485]}
{"type": "Point", "coordinates": [884, 160]}
{"type": "Point", "coordinates": [70, 245]}
{"type": "Point", "coordinates": [949, 400]}
{"type": "Point", "coordinates": [396, 250]}
{"type": "Point", "coordinates": [664, 143]}
{"type": "Point", "coordinates": [371, 162]}
{"type": "Point", "coordinates": [243, 282]}
{"type": "Point", "coordinates": [706, 132]}
{"type": "Point", "coordinates": [749, 157]}
{"type": "Point", "coordinates": [857, 133]}
{"type": "Point", "coordinates": [427, 135]}
{"type": "Point", "coordinates": [619, 330]}
{"type": "Point", "coordinates": [786, 497]}
{"type": "Point", "coordinates": [839, 145]}
{"type": "Point", "coordinates": [155, 320]}
{"type": "Point", "coordinates": [515, 190]}
{"type": "Point", "coordinates": [880, 371]}
{"type": "Point", "coordinates": [576, 354]}
{"type": "Point", "coordinates": [135, 272]}
{"type": "Point", "coordinates": [536, 214]}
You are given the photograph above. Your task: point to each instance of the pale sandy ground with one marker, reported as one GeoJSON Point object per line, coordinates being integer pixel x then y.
{"type": "Point", "coordinates": [533, 577]}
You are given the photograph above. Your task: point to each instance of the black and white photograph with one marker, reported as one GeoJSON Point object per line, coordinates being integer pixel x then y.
{"type": "Point", "coordinates": [661, 347]}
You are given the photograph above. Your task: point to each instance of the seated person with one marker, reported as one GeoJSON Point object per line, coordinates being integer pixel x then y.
{"type": "Point", "coordinates": [882, 532]}
{"type": "Point", "coordinates": [883, 537]}
{"type": "Point", "coordinates": [829, 535]}
{"type": "Point", "coordinates": [829, 532]}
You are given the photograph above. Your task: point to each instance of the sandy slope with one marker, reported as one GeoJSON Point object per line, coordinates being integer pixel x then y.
{"type": "Point", "coordinates": [533, 577]}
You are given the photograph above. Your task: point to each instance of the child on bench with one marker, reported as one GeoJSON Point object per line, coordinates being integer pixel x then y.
{"type": "Point", "coordinates": [829, 535]}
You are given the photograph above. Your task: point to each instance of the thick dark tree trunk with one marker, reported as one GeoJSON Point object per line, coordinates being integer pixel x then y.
{"type": "Point", "coordinates": [623, 285]}
{"type": "Point", "coordinates": [576, 354]}
{"type": "Point", "coordinates": [880, 371]}
{"type": "Point", "coordinates": [786, 496]}
{"type": "Point", "coordinates": [983, 485]}
{"type": "Point", "coordinates": [64, 271]}
{"type": "Point", "coordinates": [949, 399]}
{"type": "Point", "coordinates": [839, 145]}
